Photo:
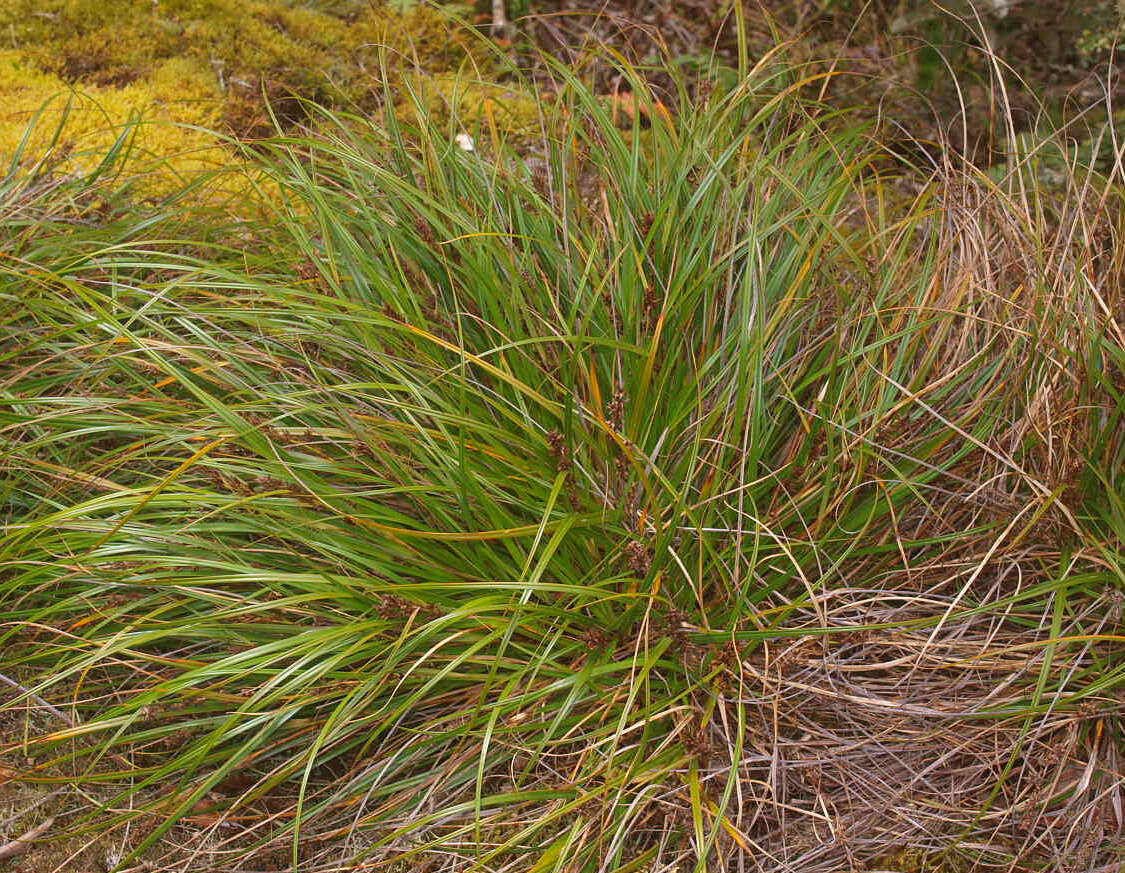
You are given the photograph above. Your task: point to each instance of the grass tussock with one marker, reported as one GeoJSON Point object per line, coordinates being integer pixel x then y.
{"type": "Point", "coordinates": [677, 498]}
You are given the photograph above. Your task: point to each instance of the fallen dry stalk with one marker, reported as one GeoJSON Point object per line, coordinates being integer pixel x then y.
{"type": "Point", "coordinates": [21, 844]}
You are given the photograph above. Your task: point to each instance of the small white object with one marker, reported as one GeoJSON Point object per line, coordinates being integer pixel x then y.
{"type": "Point", "coordinates": [464, 142]}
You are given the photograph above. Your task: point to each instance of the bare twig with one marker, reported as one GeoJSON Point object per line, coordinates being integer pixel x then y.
{"type": "Point", "coordinates": [21, 844]}
{"type": "Point", "coordinates": [499, 20]}
{"type": "Point", "coordinates": [57, 713]}
{"type": "Point", "coordinates": [38, 802]}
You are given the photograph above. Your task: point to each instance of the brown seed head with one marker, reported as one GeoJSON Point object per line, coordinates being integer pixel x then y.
{"type": "Point", "coordinates": [640, 559]}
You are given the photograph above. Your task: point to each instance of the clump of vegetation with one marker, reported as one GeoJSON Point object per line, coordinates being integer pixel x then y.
{"type": "Point", "coordinates": [674, 500]}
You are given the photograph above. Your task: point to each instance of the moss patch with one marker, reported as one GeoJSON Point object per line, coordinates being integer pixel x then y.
{"type": "Point", "coordinates": [164, 121]}
{"type": "Point", "coordinates": [509, 108]}
{"type": "Point", "coordinates": [249, 48]}
{"type": "Point", "coordinates": [184, 67]}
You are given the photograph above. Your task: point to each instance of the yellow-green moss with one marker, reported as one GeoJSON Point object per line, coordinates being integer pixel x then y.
{"type": "Point", "coordinates": [247, 46]}
{"type": "Point", "coordinates": [170, 110]}
{"type": "Point", "coordinates": [506, 108]}
{"type": "Point", "coordinates": [182, 64]}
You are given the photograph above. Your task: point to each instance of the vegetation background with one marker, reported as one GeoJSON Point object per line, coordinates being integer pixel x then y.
{"type": "Point", "coordinates": [718, 466]}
